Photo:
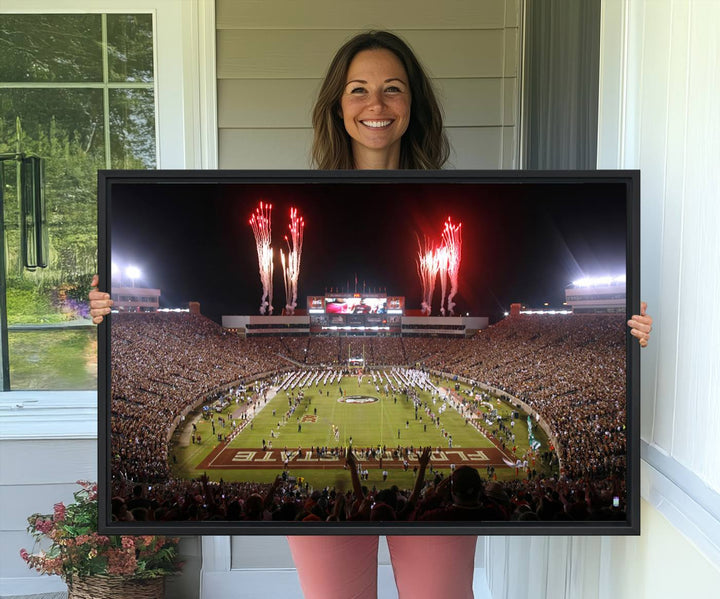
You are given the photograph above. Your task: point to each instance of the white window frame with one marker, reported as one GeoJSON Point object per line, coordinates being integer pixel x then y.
{"type": "Point", "coordinates": [186, 132]}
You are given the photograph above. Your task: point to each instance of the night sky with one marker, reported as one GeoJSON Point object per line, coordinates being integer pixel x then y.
{"type": "Point", "coordinates": [521, 243]}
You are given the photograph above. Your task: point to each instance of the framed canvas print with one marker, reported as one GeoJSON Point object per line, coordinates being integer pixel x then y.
{"type": "Point", "coordinates": [389, 352]}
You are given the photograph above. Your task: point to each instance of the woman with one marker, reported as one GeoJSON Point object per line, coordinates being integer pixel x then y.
{"type": "Point", "coordinates": [377, 110]}
{"type": "Point", "coordinates": [363, 117]}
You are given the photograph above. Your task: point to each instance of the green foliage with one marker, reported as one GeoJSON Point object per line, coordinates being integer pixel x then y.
{"type": "Point", "coordinates": [29, 305]}
{"type": "Point", "coordinates": [70, 193]}
{"type": "Point", "coordinates": [66, 127]}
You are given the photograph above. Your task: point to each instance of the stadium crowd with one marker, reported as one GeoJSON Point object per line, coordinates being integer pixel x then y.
{"type": "Point", "coordinates": [568, 369]}
{"type": "Point", "coordinates": [163, 364]}
{"type": "Point", "coordinates": [462, 496]}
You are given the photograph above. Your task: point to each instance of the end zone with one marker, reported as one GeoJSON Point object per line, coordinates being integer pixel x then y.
{"type": "Point", "coordinates": [224, 458]}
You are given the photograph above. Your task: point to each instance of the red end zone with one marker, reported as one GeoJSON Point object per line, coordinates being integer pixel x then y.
{"type": "Point", "coordinates": [224, 458]}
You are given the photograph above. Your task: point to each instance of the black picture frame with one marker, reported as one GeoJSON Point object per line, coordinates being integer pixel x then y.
{"type": "Point", "coordinates": [626, 189]}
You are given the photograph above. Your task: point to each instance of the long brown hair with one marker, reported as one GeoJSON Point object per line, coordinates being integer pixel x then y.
{"type": "Point", "coordinates": [424, 144]}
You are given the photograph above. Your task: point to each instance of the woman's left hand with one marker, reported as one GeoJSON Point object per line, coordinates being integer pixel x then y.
{"type": "Point", "coordinates": [641, 325]}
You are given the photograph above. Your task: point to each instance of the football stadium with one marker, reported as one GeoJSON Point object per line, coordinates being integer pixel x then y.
{"type": "Point", "coordinates": [359, 407]}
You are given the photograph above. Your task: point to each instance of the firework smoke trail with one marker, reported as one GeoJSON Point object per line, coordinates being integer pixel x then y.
{"type": "Point", "coordinates": [291, 268]}
{"type": "Point", "coordinates": [441, 262]}
{"type": "Point", "coordinates": [260, 223]}
{"type": "Point", "coordinates": [427, 272]}
{"type": "Point", "coordinates": [285, 280]}
{"type": "Point", "coordinates": [452, 240]}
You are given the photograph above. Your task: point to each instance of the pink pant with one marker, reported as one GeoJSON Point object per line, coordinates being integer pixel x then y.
{"type": "Point", "coordinates": [336, 567]}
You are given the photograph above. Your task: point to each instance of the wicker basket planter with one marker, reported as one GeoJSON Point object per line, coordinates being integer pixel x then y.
{"type": "Point", "coordinates": [116, 587]}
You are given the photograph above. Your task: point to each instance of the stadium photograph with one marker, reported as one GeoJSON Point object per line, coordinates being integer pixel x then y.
{"type": "Point", "coordinates": [384, 352]}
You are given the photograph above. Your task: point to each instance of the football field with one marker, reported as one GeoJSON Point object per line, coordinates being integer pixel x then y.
{"type": "Point", "coordinates": [383, 427]}
{"type": "Point", "coordinates": [371, 418]}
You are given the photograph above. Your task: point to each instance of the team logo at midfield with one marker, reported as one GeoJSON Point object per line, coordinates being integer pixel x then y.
{"type": "Point", "coordinates": [357, 399]}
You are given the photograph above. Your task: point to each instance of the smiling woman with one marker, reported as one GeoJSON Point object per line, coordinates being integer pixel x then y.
{"type": "Point", "coordinates": [375, 107]}
{"type": "Point", "coordinates": [363, 109]}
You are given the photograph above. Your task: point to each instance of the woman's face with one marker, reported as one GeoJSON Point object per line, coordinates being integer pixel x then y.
{"type": "Point", "coordinates": [375, 105]}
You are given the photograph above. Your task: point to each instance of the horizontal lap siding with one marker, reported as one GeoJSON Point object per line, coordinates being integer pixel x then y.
{"type": "Point", "coordinates": [36, 474]}
{"type": "Point", "coordinates": [304, 54]}
{"type": "Point", "coordinates": [264, 148]}
{"type": "Point", "coordinates": [353, 14]}
{"type": "Point", "coordinates": [271, 58]}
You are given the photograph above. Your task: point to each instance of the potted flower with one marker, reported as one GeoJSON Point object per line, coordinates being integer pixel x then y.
{"type": "Point", "coordinates": [94, 565]}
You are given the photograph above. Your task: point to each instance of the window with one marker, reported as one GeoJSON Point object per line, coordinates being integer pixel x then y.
{"type": "Point", "coordinates": [77, 90]}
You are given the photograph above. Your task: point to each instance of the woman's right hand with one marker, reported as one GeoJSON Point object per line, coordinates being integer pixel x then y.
{"type": "Point", "coordinates": [100, 302]}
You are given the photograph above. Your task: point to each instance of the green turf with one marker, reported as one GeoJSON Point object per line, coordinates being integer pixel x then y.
{"type": "Point", "coordinates": [368, 424]}
{"type": "Point", "coordinates": [385, 422]}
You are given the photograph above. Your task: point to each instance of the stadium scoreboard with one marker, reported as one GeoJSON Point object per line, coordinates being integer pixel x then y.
{"type": "Point", "coordinates": [356, 312]}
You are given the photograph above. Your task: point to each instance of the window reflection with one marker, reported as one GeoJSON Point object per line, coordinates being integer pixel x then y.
{"type": "Point", "coordinates": [62, 48]}
{"type": "Point", "coordinates": [56, 99]}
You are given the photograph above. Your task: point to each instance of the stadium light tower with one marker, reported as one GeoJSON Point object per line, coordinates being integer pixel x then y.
{"type": "Point", "coordinates": [132, 273]}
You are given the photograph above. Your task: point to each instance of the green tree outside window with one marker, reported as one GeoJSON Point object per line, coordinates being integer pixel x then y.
{"type": "Point", "coordinates": [78, 91]}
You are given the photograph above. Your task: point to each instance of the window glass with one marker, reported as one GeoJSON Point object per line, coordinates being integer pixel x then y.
{"type": "Point", "coordinates": [36, 48]}
{"type": "Point", "coordinates": [57, 102]}
{"type": "Point", "coordinates": [130, 47]}
{"type": "Point", "coordinates": [132, 128]}
{"type": "Point", "coordinates": [53, 359]}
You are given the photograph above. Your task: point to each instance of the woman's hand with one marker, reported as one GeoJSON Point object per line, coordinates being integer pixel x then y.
{"type": "Point", "coordinates": [641, 325]}
{"type": "Point", "coordinates": [100, 302]}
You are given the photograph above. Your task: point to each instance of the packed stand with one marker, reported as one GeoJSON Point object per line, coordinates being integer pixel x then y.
{"type": "Point", "coordinates": [463, 496]}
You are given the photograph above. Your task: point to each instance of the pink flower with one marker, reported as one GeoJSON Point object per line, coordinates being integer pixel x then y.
{"type": "Point", "coordinates": [121, 562]}
{"type": "Point", "coordinates": [73, 554]}
{"type": "Point", "coordinates": [44, 526]}
{"type": "Point", "coordinates": [128, 543]}
{"type": "Point", "coordinates": [53, 565]}
{"type": "Point", "coordinates": [59, 512]}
